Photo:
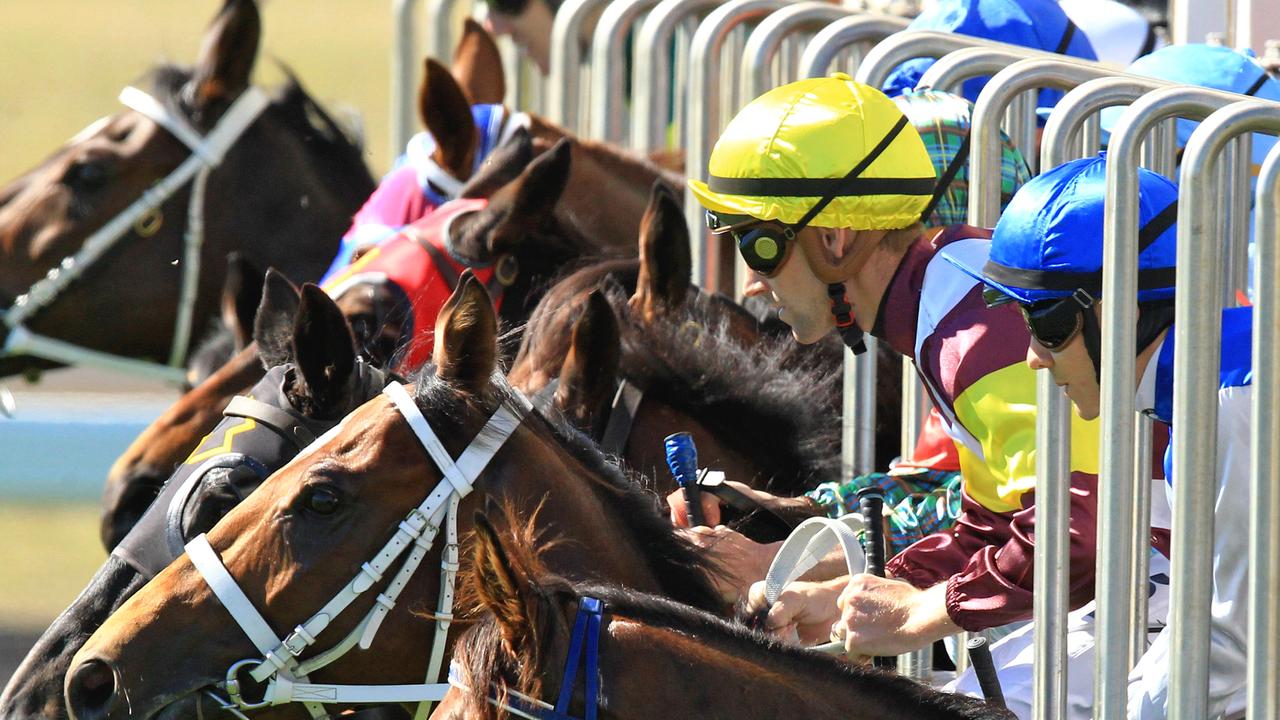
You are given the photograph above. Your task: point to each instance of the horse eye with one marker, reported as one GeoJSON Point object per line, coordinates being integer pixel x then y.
{"type": "Point", "coordinates": [86, 175]}
{"type": "Point", "coordinates": [322, 500]}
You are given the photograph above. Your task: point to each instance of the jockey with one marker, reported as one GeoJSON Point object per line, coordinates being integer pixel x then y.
{"type": "Point", "coordinates": [1046, 259]}
{"type": "Point", "coordinates": [835, 239]}
{"type": "Point", "coordinates": [417, 185]}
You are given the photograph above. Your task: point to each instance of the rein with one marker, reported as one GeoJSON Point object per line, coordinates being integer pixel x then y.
{"type": "Point", "coordinates": [207, 153]}
{"type": "Point", "coordinates": [584, 642]}
{"type": "Point", "coordinates": [281, 666]}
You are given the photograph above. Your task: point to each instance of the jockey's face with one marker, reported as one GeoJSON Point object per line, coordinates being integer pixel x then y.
{"type": "Point", "coordinates": [800, 295]}
{"type": "Point", "coordinates": [1072, 370]}
{"type": "Point", "coordinates": [530, 29]}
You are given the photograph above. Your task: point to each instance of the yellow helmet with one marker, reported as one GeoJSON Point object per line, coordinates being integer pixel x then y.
{"type": "Point", "coordinates": [797, 145]}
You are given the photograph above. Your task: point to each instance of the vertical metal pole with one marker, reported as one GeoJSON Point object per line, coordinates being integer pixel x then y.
{"type": "Point", "coordinates": [404, 66]}
{"type": "Point", "coordinates": [609, 64]}
{"type": "Point", "coordinates": [858, 450]}
{"type": "Point", "coordinates": [1264, 522]}
{"type": "Point", "coordinates": [1226, 223]}
{"type": "Point", "coordinates": [1141, 538]}
{"type": "Point", "coordinates": [1053, 500]}
{"type": "Point", "coordinates": [564, 84]}
{"type": "Point", "coordinates": [1241, 211]}
{"type": "Point", "coordinates": [652, 74]}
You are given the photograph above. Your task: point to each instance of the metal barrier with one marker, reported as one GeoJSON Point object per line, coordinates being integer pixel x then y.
{"type": "Point", "coordinates": [652, 78]}
{"type": "Point", "coordinates": [1264, 525]}
{"type": "Point", "coordinates": [1196, 361]}
{"type": "Point", "coordinates": [765, 41]}
{"type": "Point", "coordinates": [565, 83]}
{"type": "Point", "coordinates": [892, 52]}
{"type": "Point", "coordinates": [608, 116]}
{"type": "Point", "coordinates": [404, 68]}
{"type": "Point", "coordinates": [1119, 337]}
{"type": "Point", "coordinates": [840, 35]}
{"type": "Point", "coordinates": [1053, 414]}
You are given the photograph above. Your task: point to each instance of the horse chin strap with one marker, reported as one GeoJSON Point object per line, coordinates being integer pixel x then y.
{"type": "Point", "coordinates": [207, 153]}
{"type": "Point", "coordinates": [281, 666]}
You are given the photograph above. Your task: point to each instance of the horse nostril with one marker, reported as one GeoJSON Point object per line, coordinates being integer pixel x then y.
{"type": "Point", "coordinates": [91, 690]}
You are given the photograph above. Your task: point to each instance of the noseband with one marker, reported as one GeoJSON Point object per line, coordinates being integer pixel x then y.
{"type": "Point", "coordinates": [584, 642]}
{"type": "Point", "coordinates": [281, 665]}
{"type": "Point", "coordinates": [207, 153]}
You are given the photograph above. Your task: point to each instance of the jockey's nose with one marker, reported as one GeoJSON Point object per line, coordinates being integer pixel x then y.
{"type": "Point", "coordinates": [91, 690]}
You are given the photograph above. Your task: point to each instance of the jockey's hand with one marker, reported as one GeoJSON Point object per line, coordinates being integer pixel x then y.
{"type": "Point", "coordinates": [743, 560]}
{"type": "Point", "coordinates": [804, 612]}
{"type": "Point", "coordinates": [883, 616]}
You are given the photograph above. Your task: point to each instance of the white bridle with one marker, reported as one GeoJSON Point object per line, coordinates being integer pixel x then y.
{"type": "Point", "coordinates": [207, 153]}
{"type": "Point", "coordinates": [281, 666]}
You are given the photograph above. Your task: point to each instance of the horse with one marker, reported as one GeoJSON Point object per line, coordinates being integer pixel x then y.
{"type": "Point", "coordinates": [275, 179]}
{"type": "Point", "coordinates": [297, 538]}
{"type": "Point", "coordinates": [644, 656]}
{"type": "Point", "coordinates": [631, 351]}
{"type": "Point", "coordinates": [315, 379]}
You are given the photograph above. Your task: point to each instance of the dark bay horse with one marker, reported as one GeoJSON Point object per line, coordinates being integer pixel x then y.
{"type": "Point", "coordinates": [315, 380]}
{"type": "Point", "coordinates": [522, 190]}
{"type": "Point", "coordinates": [759, 410]}
{"type": "Point", "coordinates": [643, 656]}
{"type": "Point", "coordinates": [300, 536]}
{"type": "Point", "coordinates": [282, 195]}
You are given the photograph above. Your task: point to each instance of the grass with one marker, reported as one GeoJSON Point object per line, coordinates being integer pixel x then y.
{"type": "Point", "coordinates": [65, 61]}
{"type": "Point", "coordinates": [48, 555]}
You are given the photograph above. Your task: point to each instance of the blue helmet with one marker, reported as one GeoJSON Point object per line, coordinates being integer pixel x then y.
{"type": "Point", "coordinates": [1210, 66]}
{"type": "Point", "coordinates": [1048, 243]}
{"type": "Point", "coordinates": [1037, 24]}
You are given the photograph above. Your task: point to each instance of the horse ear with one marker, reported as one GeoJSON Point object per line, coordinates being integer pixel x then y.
{"type": "Point", "coordinates": [587, 375]}
{"type": "Point", "coordinates": [466, 342]}
{"type": "Point", "coordinates": [533, 197]}
{"type": "Point", "coordinates": [503, 588]}
{"type": "Point", "coordinates": [503, 166]}
{"type": "Point", "coordinates": [273, 326]}
{"type": "Point", "coordinates": [323, 349]}
{"type": "Point", "coordinates": [665, 261]}
{"type": "Point", "coordinates": [446, 113]}
{"type": "Point", "coordinates": [241, 293]}
{"type": "Point", "coordinates": [227, 54]}
{"type": "Point", "coordinates": [477, 65]}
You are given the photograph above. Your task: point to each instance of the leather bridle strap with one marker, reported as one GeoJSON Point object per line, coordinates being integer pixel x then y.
{"type": "Point", "coordinates": [207, 153]}
{"type": "Point", "coordinates": [622, 416]}
{"type": "Point", "coordinates": [278, 420]}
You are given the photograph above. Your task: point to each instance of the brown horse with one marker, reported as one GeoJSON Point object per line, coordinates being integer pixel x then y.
{"type": "Point", "coordinates": [297, 539]}
{"type": "Point", "coordinates": [690, 361]}
{"type": "Point", "coordinates": [644, 656]}
{"type": "Point", "coordinates": [282, 195]}
{"type": "Point", "coordinates": [315, 380]}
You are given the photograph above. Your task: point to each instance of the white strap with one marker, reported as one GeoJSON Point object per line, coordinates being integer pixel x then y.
{"type": "Point", "coordinates": [427, 437]}
{"type": "Point", "coordinates": [441, 178]}
{"type": "Point", "coordinates": [230, 595]}
{"type": "Point", "coordinates": [808, 544]}
{"type": "Point", "coordinates": [210, 148]}
{"type": "Point", "coordinates": [283, 690]}
{"type": "Point", "coordinates": [515, 121]}
{"type": "Point", "coordinates": [145, 104]}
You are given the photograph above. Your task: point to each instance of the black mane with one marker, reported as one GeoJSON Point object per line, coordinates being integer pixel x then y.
{"type": "Point", "coordinates": [682, 569]}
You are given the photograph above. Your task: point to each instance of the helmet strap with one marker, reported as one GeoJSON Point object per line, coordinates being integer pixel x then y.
{"type": "Point", "coordinates": [849, 331]}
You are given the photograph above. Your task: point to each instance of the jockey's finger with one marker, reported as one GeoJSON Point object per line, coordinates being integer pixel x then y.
{"type": "Point", "coordinates": [710, 508]}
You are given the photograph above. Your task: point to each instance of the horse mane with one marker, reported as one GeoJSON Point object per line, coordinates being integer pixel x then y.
{"type": "Point", "coordinates": [760, 396]}
{"type": "Point", "coordinates": [682, 569]}
{"type": "Point", "coordinates": [484, 662]}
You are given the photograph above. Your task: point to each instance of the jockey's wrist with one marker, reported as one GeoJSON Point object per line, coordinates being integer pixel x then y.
{"type": "Point", "coordinates": [930, 620]}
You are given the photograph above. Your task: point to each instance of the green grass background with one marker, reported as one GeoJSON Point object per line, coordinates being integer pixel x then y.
{"type": "Point", "coordinates": [62, 63]}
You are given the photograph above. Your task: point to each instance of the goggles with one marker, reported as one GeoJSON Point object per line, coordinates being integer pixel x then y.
{"type": "Point", "coordinates": [764, 245]}
{"type": "Point", "coordinates": [1054, 323]}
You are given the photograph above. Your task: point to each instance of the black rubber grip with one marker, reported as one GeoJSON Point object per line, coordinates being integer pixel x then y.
{"type": "Point", "coordinates": [985, 668]}
{"type": "Point", "coordinates": [871, 503]}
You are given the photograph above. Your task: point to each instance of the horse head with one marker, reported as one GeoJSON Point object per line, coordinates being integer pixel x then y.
{"type": "Point", "coordinates": [613, 653]}
{"type": "Point", "coordinates": [369, 491]}
{"type": "Point", "coordinates": [640, 352]}
{"type": "Point", "coordinates": [314, 381]}
{"type": "Point", "coordinates": [200, 163]}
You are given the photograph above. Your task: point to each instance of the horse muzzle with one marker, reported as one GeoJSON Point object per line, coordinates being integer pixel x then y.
{"type": "Point", "coordinates": [92, 690]}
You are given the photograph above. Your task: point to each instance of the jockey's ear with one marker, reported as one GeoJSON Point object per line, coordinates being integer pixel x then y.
{"type": "Point", "coordinates": [241, 293]}
{"type": "Point", "coordinates": [466, 341]}
{"type": "Point", "coordinates": [665, 260]}
{"type": "Point", "coordinates": [477, 65]}
{"type": "Point", "coordinates": [446, 114]}
{"type": "Point", "coordinates": [323, 351]}
{"type": "Point", "coordinates": [225, 64]}
{"type": "Point", "coordinates": [504, 588]}
{"type": "Point", "coordinates": [589, 369]}
{"type": "Point", "coordinates": [273, 326]}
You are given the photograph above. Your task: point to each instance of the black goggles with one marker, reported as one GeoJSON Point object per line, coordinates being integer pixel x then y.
{"type": "Point", "coordinates": [1054, 323]}
{"type": "Point", "coordinates": [764, 245]}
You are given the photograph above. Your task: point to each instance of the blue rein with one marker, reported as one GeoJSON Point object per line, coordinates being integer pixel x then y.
{"type": "Point", "coordinates": [585, 641]}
